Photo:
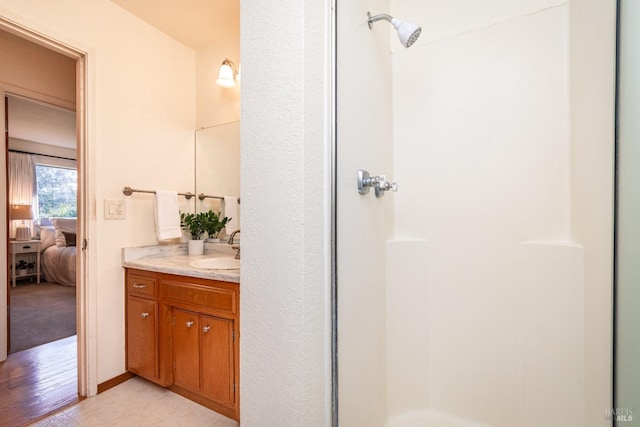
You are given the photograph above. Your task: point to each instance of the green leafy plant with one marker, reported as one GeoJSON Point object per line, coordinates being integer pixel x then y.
{"type": "Point", "coordinates": [213, 224]}
{"type": "Point", "coordinates": [21, 265]}
{"type": "Point", "coordinates": [193, 224]}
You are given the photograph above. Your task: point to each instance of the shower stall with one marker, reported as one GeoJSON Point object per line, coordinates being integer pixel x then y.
{"type": "Point", "coordinates": [479, 293]}
{"type": "Point", "coordinates": [627, 296]}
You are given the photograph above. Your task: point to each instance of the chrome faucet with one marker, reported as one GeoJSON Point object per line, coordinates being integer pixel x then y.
{"type": "Point", "coordinates": [231, 243]}
{"type": "Point", "coordinates": [233, 235]}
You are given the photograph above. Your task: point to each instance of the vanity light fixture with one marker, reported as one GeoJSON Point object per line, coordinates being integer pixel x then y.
{"type": "Point", "coordinates": [227, 77]}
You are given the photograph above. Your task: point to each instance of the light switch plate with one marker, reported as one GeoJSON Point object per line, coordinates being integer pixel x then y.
{"type": "Point", "coordinates": [114, 209]}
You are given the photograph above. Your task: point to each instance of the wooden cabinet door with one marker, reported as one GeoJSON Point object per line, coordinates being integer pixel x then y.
{"type": "Point", "coordinates": [186, 355]}
{"type": "Point", "coordinates": [216, 356]}
{"type": "Point", "coordinates": [142, 337]}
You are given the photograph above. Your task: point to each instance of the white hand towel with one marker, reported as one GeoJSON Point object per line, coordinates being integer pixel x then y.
{"type": "Point", "coordinates": [230, 210]}
{"type": "Point", "coordinates": [166, 214]}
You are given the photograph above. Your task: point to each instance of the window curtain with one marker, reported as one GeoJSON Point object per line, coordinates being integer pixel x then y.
{"type": "Point", "coordinates": [22, 184]}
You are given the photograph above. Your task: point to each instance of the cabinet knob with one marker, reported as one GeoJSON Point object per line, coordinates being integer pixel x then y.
{"type": "Point", "coordinates": [145, 315]}
{"type": "Point", "coordinates": [189, 324]}
{"type": "Point", "coordinates": [138, 286]}
{"type": "Point", "coordinates": [206, 329]}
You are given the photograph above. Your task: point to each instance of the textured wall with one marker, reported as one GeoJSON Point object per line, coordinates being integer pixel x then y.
{"type": "Point", "coordinates": [285, 355]}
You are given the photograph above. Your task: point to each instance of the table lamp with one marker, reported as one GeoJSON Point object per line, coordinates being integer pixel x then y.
{"type": "Point", "coordinates": [22, 213]}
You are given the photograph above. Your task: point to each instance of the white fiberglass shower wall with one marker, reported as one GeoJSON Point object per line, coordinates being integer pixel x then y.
{"type": "Point", "coordinates": [480, 292]}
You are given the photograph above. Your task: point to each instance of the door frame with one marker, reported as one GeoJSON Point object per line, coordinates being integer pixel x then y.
{"type": "Point", "coordinates": [85, 316]}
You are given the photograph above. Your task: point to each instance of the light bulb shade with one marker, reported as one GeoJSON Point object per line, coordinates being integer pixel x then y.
{"type": "Point", "coordinates": [21, 212]}
{"type": "Point", "coordinates": [226, 76]}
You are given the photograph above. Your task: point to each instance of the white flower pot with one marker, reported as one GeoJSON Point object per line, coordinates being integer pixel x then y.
{"type": "Point", "coordinates": [196, 247]}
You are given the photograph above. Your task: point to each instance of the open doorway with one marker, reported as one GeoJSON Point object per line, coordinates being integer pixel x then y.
{"type": "Point", "coordinates": [32, 79]}
{"type": "Point", "coordinates": [42, 197]}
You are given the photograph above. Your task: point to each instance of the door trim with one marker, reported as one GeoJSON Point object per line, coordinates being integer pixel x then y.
{"type": "Point", "coordinates": [86, 322]}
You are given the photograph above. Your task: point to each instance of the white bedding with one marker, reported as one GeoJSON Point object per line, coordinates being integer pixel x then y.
{"type": "Point", "coordinates": [59, 265]}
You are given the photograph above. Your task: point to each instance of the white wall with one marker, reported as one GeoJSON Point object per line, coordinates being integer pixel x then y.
{"type": "Point", "coordinates": [485, 154]}
{"type": "Point", "coordinates": [285, 302]}
{"type": "Point", "coordinates": [364, 141]}
{"type": "Point", "coordinates": [141, 116]}
{"type": "Point", "coordinates": [592, 71]}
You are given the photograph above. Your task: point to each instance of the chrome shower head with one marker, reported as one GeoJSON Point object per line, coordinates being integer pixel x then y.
{"type": "Point", "coordinates": [408, 32]}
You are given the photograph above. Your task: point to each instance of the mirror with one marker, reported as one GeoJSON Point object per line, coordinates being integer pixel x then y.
{"type": "Point", "coordinates": [218, 166]}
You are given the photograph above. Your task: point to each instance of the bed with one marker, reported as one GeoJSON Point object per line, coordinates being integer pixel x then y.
{"type": "Point", "coordinates": [58, 251]}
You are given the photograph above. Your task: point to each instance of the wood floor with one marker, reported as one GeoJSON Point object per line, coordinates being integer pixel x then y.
{"type": "Point", "coordinates": [37, 382]}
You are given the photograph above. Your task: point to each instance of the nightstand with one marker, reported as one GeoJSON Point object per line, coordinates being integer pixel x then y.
{"type": "Point", "coordinates": [30, 247]}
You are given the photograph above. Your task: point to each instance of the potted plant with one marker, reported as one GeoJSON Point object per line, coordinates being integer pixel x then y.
{"type": "Point", "coordinates": [213, 225]}
{"type": "Point", "coordinates": [194, 225]}
{"type": "Point", "coordinates": [21, 268]}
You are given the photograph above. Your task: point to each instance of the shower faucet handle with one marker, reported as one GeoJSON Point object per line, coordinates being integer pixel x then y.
{"type": "Point", "coordinates": [384, 185]}
{"type": "Point", "coordinates": [379, 183]}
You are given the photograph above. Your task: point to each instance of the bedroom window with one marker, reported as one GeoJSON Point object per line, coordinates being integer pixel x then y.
{"type": "Point", "coordinates": [57, 191]}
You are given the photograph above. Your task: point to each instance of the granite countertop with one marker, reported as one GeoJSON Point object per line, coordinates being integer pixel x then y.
{"type": "Point", "coordinates": [173, 259]}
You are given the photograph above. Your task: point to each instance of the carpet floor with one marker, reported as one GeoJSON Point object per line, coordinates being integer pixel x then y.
{"type": "Point", "coordinates": [41, 313]}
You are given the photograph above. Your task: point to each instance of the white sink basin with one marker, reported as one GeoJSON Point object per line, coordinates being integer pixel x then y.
{"type": "Point", "coordinates": [216, 263]}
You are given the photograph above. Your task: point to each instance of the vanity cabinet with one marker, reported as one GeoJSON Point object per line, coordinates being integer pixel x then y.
{"type": "Point", "coordinates": [143, 328]}
{"type": "Point", "coordinates": [203, 355]}
{"type": "Point", "coordinates": [182, 333]}
{"type": "Point", "coordinates": [142, 337]}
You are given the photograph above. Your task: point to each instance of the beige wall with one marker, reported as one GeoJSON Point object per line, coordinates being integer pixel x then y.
{"type": "Point", "coordinates": [592, 94]}
{"type": "Point", "coordinates": [141, 116]}
{"type": "Point", "coordinates": [216, 104]}
{"type": "Point", "coordinates": [364, 141]}
{"type": "Point", "coordinates": [37, 72]}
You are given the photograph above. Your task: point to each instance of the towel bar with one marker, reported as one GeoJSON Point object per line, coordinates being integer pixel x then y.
{"type": "Point", "coordinates": [127, 191]}
{"type": "Point", "coordinates": [203, 196]}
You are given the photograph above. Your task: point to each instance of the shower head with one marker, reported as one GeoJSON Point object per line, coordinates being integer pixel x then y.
{"type": "Point", "coordinates": [408, 32]}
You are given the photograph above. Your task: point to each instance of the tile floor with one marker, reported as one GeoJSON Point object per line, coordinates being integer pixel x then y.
{"type": "Point", "coordinates": [138, 403]}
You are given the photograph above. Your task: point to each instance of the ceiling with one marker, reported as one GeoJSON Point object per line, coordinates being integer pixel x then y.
{"type": "Point", "coordinates": [36, 121]}
{"type": "Point", "coordinates": [194, 23]}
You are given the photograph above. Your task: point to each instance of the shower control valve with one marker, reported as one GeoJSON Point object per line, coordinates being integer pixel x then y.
{"type": "Point", "coordinates": [384, 185]}
{"type": "Point", "coordinates": [379, 183]}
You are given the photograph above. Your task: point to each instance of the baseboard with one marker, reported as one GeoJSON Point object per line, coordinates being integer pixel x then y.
{"type": "Point", "coordinates": [114, 381]}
